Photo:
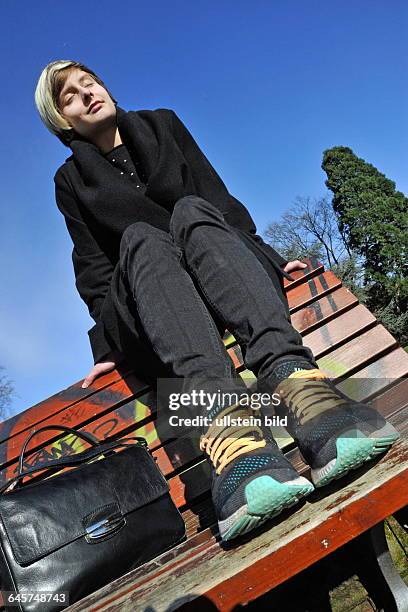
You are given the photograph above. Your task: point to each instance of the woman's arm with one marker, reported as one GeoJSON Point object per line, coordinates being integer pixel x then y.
{"type": "Point", "coordinates": [93, 270]}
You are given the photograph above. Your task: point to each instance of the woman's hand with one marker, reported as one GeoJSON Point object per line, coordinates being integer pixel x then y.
{"type": "Point", "coordinates": [109, 363]}
{"type": "Point", "coordinates": [292, 266]}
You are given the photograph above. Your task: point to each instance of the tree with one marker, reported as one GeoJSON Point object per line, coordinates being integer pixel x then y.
{"type": "Point", "coordinates": [6, 393]}
{"type": "Point", "coordinates": [373, 218]}
{"type": "Point", "coordinates": [310, 228]}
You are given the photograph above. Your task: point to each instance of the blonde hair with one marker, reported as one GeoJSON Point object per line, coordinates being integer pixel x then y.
{"type": "Point", "coordinates": [47, 93]}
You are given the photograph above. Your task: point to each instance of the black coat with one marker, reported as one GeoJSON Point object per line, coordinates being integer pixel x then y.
{"type": "Point", "coordinates": [96, 215]}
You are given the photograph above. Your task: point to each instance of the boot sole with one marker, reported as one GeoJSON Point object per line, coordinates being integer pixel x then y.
{"type": "Point", "coordinates": [266, 498]}
{"type": "Point", "coordinates": [354, 448]}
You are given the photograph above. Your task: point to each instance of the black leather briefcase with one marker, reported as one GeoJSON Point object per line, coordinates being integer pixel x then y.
{"type": "Point", "coordinates": [66, 536]}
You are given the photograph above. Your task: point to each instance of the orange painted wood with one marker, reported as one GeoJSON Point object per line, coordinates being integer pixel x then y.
{"type": "Point", "coordinates": [313, 268]}
{"type": "Point", "coordinates": [323, 309]}
{"type": "Point", "coordinates": [304, 294]}
{"type": "Point", "coordinates": [57, 403]}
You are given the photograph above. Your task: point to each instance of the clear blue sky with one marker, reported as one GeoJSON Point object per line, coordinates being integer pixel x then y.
{"type": "Point", "coordinates": [264, 87]}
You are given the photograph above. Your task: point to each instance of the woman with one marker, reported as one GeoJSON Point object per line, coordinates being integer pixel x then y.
{"type": "Point", "coordinates": [166, 259]}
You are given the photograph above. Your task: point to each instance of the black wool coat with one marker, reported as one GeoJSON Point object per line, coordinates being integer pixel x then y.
{"type": "Point", "coordinates": [96, 215]}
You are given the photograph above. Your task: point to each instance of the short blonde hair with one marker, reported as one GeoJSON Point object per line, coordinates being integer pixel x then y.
{"type": "Point", "coordinates": [47, 93]}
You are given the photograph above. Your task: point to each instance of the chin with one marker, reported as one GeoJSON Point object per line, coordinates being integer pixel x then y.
{"type": "Point", "coordinates": [103, 116]}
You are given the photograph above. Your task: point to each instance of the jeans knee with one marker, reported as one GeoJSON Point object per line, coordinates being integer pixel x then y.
{"type": "Point", "coordinates": [142, 235]}
{"type": "Point", "coordinates": [189, 209]}
{"type": "Point", "coordinates": [139, 231]}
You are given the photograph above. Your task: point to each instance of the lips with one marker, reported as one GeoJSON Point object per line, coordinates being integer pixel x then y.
{"type": "Point", "coordinates": [93, 106]}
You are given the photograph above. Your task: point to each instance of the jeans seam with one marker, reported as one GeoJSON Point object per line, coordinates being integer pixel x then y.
{"type": "Point", "coordinates": [240, 340]}
{"type": "Point", "coordinates": [214, 332]}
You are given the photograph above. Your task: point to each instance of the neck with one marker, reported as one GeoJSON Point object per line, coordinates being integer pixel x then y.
{"type": "Point", "coordinates": [108, 139]}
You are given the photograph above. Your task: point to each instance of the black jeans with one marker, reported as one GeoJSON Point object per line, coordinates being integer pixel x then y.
{"type": "Point", "coordinates": [191, 284]}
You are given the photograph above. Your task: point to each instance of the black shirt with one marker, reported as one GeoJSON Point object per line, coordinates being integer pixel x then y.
{"type": "Point", "coordinates": [120, 157]}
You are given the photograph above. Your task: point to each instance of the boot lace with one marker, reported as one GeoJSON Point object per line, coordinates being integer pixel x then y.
{"type": "Point", "coordinates": [224, 443]}
{"type": "Point", "coordinates": [307, 394]}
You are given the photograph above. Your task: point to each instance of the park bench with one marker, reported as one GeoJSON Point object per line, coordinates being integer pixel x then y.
{"type": "Point", "coordinates": [364, 360]}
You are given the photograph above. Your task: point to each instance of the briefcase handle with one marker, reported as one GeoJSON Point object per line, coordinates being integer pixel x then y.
{"type": "Point", "coordinates": [99, 448]}
{"type": "Point", "coordinates": [91, 439]}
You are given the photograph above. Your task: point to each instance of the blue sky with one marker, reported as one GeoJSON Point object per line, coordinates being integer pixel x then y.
{"type": "Point", "coordinates": [264, 87]}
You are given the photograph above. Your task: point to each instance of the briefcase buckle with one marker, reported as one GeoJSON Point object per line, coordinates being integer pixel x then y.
{"type": "Point", "coordinates": [103, 523]}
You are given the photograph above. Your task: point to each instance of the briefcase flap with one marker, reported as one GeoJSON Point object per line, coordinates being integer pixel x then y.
{"type": "Point", "coordinates": [41, 517]}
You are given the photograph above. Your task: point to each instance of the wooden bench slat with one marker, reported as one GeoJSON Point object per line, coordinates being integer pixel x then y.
{"type": "Point", "coordinates": [370, 380]}
{"type": "Point", "coordinates": [339, 330]}
{"type": "Point", "coordinates": [367, 346]}
{"type": "Point", "coordinates": [57, 403]}
{"type": "Point", "coordinates": [304, 294]}
{"type": "Point", "coordinates": [322, 310]}
{"type": "Point", "coordinates": [300, 276]}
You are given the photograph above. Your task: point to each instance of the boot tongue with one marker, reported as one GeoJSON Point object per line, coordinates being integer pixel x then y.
{"type": "Point", "coordinates": [308, 374]}
{"type": "Point", "coordinates": [286, 369]}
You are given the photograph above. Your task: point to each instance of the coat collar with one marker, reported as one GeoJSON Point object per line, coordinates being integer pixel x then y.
{"type": "Point", "coordinates": [142, 142]}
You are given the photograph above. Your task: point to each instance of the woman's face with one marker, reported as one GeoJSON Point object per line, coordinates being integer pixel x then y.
{"type": "Point", "coordinates": [85, 104]}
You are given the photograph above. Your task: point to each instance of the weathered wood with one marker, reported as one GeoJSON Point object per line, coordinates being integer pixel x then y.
{"type": "Point", "coordinates": [304, 294]}
{"type": "Point", "coordinates": [293, 542]}
{"type": "Point", "coordinates": [382, 373]}
{"type": "Point", "coordinates": [342, 328]}
{"type": "Point", "coordinates": [313, 269]}
{"type": "Point", "coordinates": [367, 346]}
{"type": "Point", "coordinates": [322, 310]}
{"type": "Point", "coordinates": [324, 339]}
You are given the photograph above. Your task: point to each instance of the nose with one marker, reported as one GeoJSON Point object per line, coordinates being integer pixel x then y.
{"type": "Point", "coordinates": [86, 93]}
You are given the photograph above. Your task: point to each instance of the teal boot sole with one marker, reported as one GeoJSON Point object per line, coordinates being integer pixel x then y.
{"type": "Point", "coordinates": [266, 498]}
{"type": "Point", "coordinates": [353, 450]}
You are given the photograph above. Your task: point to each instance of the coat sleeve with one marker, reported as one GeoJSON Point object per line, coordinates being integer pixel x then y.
{"type": "Point", "coordinates": [211, 187]}
{"type": "Point", "coordinates": [93, 270]}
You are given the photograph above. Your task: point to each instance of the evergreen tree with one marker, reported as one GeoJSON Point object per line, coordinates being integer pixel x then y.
{"type": "Point", "coordinates": [373, 218]}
